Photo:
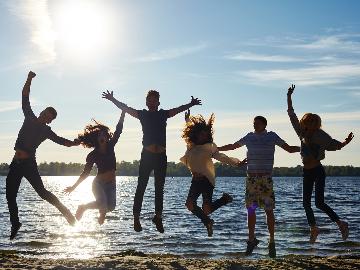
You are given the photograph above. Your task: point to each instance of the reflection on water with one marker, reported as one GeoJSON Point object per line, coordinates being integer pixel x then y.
{"type": "Point", "coordinates": [46, 233]}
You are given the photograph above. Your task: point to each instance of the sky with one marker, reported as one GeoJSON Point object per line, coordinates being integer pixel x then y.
{"type": "Point", "coordinates": [239, 57]}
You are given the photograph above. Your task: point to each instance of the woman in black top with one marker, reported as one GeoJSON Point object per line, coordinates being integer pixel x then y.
{"type": "Point", "coordinates": [104, 184]}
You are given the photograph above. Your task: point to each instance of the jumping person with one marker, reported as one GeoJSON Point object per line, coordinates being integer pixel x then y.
{"type": "Point", "coordinates": [99, 137]}
{"type": "Point", "coordinates": [33, 132]}
{"type": "Point", "coordinates": [314, 143]}
{"type": "Point", "coordinates": [259, 184]}
{"type": "Point", "coordinates": [153, 156]}
{"type": "Point", "coordinates": [198, 135]}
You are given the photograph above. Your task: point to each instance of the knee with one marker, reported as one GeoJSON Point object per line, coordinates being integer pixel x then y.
{"type": "Point", "coordinates": [306, 205]}
{"type": "Point", "coordinates": [206, 208]}
{"type": "Point", "coordinates": [251, 209]}
{"type": "Point", "coordinates": [190, 205]}
{"type": "Point", "coordinates": [44, 194]}
{"type": "Point", "coordinates": [319, 204]}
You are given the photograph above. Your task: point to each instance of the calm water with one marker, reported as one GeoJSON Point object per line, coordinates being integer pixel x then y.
{"type": "Point", "coordinates": [46, 233]}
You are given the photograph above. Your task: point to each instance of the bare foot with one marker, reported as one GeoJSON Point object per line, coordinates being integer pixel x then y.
{"type": "Point", "coordinates": [344, 229]}
{"type": "Point", "coordinates": [314, 232]}
{"type": "Point", "coordinates": [101, 219]}
{"type": "Point", "coordinates": [79, 212]}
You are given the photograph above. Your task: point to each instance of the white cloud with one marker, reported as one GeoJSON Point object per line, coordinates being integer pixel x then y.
{"type": "Point", "coordinates": [248, 56]}
{"type": "Point", "coordinates": [169, 54]}
{"type": "Point", "coordinates": [9, 105]}
{"type": "Point", "coordinates": [319, 75]}
{"type": "Point", "coordinates": [333, 42]}
{"type": "Point", "coordinates": [35, 15]}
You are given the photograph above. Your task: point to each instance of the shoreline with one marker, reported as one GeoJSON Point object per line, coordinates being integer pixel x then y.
{"type": "Point", "coordinates": [138, 260]}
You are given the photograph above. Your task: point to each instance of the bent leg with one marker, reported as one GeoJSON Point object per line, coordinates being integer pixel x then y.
{"type": "Point", "coordinates": [33, 176]}
{"type": "Point", "coordinates": [319, 196]}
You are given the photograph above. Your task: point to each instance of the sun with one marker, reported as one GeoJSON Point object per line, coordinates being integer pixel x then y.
{"type": "Point", "coordinates": [83, 28]}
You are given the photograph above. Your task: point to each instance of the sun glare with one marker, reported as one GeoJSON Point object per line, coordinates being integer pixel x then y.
{"type": "Point", "coordinates": [83, 28]}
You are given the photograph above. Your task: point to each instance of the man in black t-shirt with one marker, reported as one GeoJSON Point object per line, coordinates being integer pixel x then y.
{"type": "Point", "coordinates": [153, 156]}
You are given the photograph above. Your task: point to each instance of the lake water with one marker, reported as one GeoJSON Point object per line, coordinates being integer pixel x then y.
{"type": "Point", "coordinates": [45, 232]}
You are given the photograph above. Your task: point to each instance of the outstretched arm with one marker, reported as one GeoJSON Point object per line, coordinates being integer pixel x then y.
{"type": "Point", "coordinates": [193, 102]}
{"type": "Point", "coordinates": [289, 148]}
{"type": "Point", "coordinates": [293, 118]}
{"type": "Point", "coordinates": [62, 141]}
{"type": "Point", "coordinates": [110, 96]}
{"type": "Point", "coordinates": [82, 177]}
{"type": "Point", "coordinates": [347, 140]}
{"type": "Point", "coordinates": [228, 147]}
{"type": "Point", "coordinates": [119, 128]}
{"type": "Point", "coordinates": [26, 107]}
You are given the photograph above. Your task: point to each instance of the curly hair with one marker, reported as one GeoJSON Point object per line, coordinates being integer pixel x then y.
{"type": "Point", "coordinates": [91, 132]}
{"type": "Point", "coordinates": [310, 121]}
{"type": "Point", "coordinates": [195, 125]}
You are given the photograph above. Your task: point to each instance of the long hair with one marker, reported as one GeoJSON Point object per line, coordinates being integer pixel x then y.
{"type": "Point", "coordinates": [310, 121]}
{"type": "Point", "coordinates": [91, 132]}
{"type": "Point", "coordinates": [195, 125]}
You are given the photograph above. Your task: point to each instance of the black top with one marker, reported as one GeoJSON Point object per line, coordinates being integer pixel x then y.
{"type": "Point", "coordinates": [104, 161]}
{"type": "Point", "coordinates": [153, 126]}
{"type": "Point", "coordinates": [32, 132]}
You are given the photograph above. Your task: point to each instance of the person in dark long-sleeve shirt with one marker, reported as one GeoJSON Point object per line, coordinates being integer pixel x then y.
{"type": "Point", "coordinates": [32, 133]}
{"type": "Point", "coordinates": [314, 143]}
{"type": "Point", "coordinates": [153, 156]}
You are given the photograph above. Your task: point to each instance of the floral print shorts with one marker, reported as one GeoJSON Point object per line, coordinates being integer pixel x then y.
{"type": "Point", "coordinates": [259, 192]}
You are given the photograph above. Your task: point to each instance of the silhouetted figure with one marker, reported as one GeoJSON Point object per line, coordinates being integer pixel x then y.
{"type": "Point", "coordinates": [153, 156]}
{"type": "Point", "coordinates": [104, 185]}
{"type": "Point", "coordinates": [32, 133]}
{"type": "Point", "coordinates": [259, 184]}
{"type": "Point", "coordinates": [201, 149]}
{"type": "Point", "coordinates": [314, 143]}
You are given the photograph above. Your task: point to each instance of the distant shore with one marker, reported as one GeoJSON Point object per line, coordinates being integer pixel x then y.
{"type": "Point", "coordinates": [125, 168]}
{"type": "Point", "coordinates": [137, 261]}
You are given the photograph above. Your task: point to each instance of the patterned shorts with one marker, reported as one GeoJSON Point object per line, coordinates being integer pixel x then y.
{"type": "Point", "coordinates": [259, 192]}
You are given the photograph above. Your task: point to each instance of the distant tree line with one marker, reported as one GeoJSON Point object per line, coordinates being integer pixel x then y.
{"type": "Point", "coordinates": [125, 168]}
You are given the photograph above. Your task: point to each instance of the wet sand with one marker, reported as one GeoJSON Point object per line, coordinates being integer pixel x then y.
{"type": "Point", "coordinates": [138, 261]}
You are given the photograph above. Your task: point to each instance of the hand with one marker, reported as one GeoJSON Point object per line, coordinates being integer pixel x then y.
{"type": "Point", "coordinates": [76, 142]}
{"type": "Point", "coordinates": [242, 162]}
{"type": "Point", "coordinates": [108, 95]}
{"type": "Point", "coordinates": [195, 101]}
{"type": "Point", "coordinates": [69, 189]}
{"type": "Point", "coordinates": [349, 138]}
{"type": "Point", "coordinates": [291, 90]}
{"type": "Point", "coordinates": [187, 115]}
{"type": "Point", "coordinates": [31, 74]}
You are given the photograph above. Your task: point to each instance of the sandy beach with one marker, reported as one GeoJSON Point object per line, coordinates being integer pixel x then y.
{"type": "Point", "coordinates": [138, 260]}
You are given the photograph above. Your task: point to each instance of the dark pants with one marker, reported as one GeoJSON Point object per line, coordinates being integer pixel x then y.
{"type": "Point", "coordinates": [310, 176]}
{"type": "Point", "coordinates": [202, 186]}
{"type": "Point", "coordinates": [27, 168]}
{"type": "Point", "coordinates": [151, 161]}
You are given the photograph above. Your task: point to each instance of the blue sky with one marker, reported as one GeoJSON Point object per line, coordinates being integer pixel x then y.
{"type": "Point", "coordinates": [239, 57]}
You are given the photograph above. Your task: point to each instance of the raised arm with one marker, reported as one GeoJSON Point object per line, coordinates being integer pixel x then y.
{"type": "Point", "coordinates": [182, 108]}
{"type": "Point", "coordinates": [122, 106]}
{"type": "Point", "coordinates": [293, 118]}
{"type": "Point", "coordinates": [290, 148]}
{"type": "Point", "coordinates": [26, 107]}
{"type": "Point", "coordinates": [119, 128]}
{"type": "Point", "coordinates": [228, 147]}
{"type": "Point", "coordinates": [82, 177]}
